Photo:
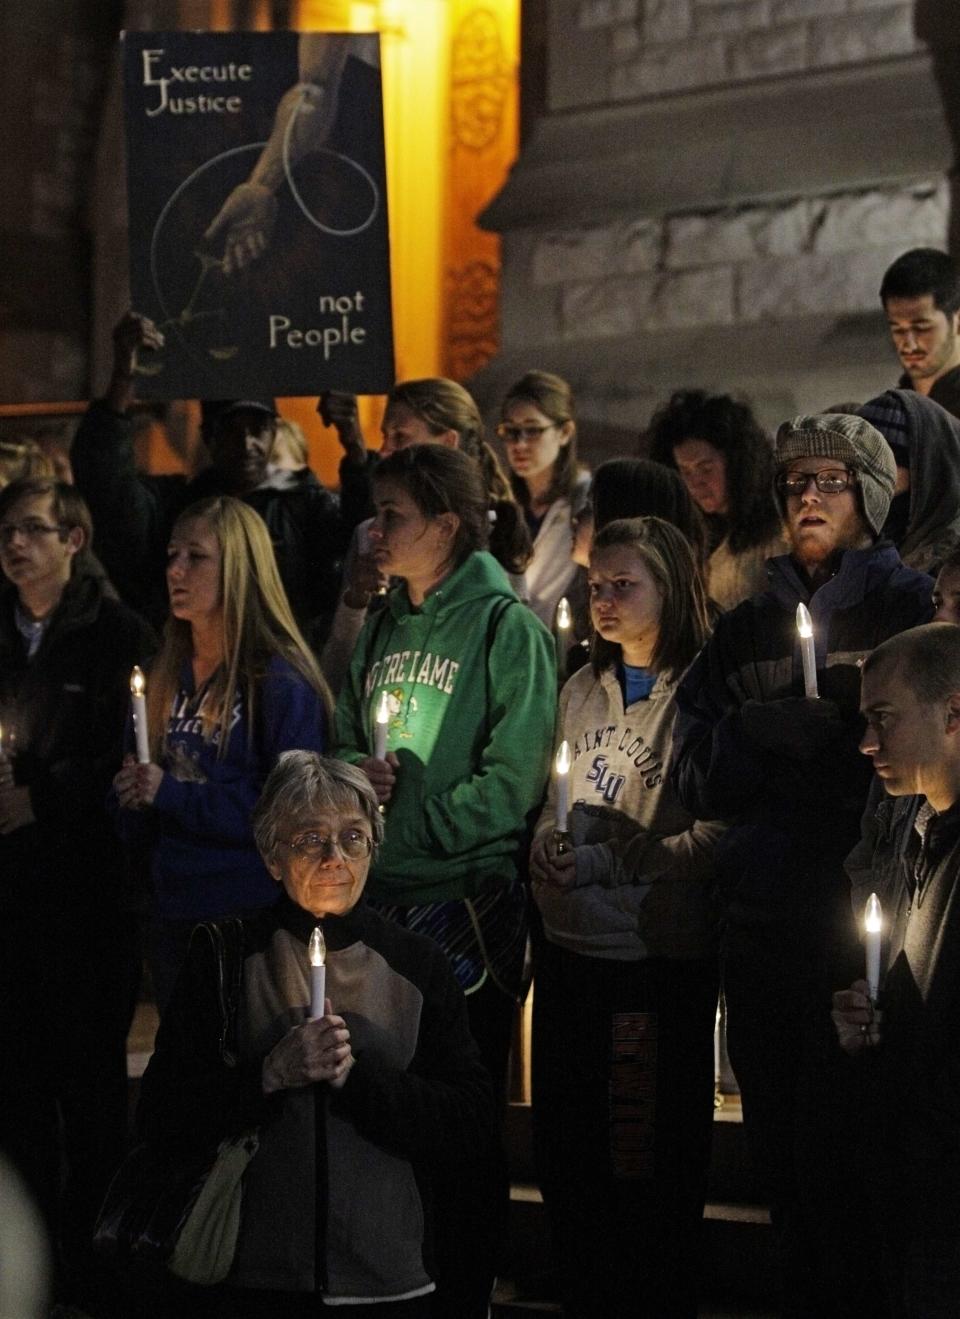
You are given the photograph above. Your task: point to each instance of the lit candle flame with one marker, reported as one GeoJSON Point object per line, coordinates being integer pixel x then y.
{"type": "Point", "coordinates": [318, 947]}
{"type": "Point", "coordinates": [873, 917]}
{"type": "Point", "coordinates": [563, 758]}
{"type": "Point", "coordinates": [383, 709]}
{"type": "Point", "coordinates": [563, 613]}
{"type": "Point", "coordinates": [138, 683]}
{"type": "Point", "coordinates": [804, 622]}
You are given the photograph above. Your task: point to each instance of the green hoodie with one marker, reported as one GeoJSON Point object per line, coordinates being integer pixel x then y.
{"type": "Point", "coordinates": [471, 685]}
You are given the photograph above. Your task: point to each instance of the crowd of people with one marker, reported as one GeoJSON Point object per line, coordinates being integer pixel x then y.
{"type": "Point", "coordinates": [464, 723]}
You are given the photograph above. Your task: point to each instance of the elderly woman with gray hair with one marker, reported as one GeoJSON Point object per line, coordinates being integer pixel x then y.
{"type": "Point", "coordinates": [355, 1109]}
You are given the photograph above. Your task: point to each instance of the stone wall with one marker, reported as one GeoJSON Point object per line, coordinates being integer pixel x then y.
{"type": "Point", "coordinates": [711, 198]}
{"type": "Point", "coordinates": [648, 47]}
{"type": "Point", "coordinates": [811, 255]}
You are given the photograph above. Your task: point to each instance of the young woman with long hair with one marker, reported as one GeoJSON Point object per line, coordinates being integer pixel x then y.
{"type": "Point", "coordinates": [466, 677]}
{"type": "Point", "coordinates": [232, 686]}
{"type": "Point", "coordinates": [429, 411]}
{"type": "Point", "coordinates": [726, 461]}
{"type": "Point", "coordinates": [539, 433]}
{"type": "Point", "coordinates": [626, 974]}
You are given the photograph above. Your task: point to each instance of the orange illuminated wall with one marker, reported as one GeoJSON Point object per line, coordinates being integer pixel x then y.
{"type": "Point", "coordinates": [450, 88]}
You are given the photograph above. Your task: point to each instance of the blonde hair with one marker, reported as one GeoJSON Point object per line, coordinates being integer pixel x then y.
{"type": "Point", "coordinates": [23, 458]}
{"type": "Point", "coordinates": [290, 446]}
{"type": "Point", "coordinates": [257, 625]}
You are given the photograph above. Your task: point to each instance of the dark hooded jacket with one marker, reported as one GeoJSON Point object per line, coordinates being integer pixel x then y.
{"type": "Point", "coordinates": [793, 820]}
{"type": "Point", "coordinates": [945, 391]}
{"type": "Point", "coordinates": [931, 437]}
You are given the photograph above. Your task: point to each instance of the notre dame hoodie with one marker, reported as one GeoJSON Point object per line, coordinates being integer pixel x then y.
{"type": "Point", "coordinates": [470, 682]}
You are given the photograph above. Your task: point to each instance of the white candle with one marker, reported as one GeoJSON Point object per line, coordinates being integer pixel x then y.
{"type": "Point", "coordinates": [873, 924]}
{"type": "Point", "coordinates": [807, 653]}
{"type": "Point", "coordinates": [564, 622]}
{"type": "Point", "coordinates": [562, 765]}
{"type": "Point", "coordinates": [380, 728]}
{"type": "Point", "coordinates": [318, 972]}
{"type": "Point", "coordinates": [138, 699]}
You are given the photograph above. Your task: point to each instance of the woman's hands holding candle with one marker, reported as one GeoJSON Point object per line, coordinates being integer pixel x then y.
{"type": "Point", "coordinates": [137, 785]}
{"type": "Point", "coordinates": [856, 1020]}
{"type": "Point", "coordinates": [318, 1050]}
{"type": "Point", "coordinates": [547, 866]}
{"type": "Point", "coordinates": [382, 774]}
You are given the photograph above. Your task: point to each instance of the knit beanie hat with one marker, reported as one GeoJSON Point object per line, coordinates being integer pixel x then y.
{"type": "Point", "coordinates": [849, 441]}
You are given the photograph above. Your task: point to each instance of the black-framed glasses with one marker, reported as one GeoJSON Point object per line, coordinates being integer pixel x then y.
{"type": "Point", "coordinates": [352, 844]}
{"type": "Point", "coordinates": [829, 481]}
{"type": "Point", "coordinates": [514, 434]}
{"type": "Point", "coordinates": [30, 528]}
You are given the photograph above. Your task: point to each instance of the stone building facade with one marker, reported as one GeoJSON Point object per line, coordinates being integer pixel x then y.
{"type": "Point", "coordinates": [710, 197]}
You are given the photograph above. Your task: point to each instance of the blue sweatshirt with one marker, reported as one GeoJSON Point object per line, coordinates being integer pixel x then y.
{"type": "Point", "coordinates": [204, 862]}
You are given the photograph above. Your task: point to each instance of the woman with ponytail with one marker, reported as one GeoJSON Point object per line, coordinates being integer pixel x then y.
{"type": "Point", "coordinates": [429, 411]}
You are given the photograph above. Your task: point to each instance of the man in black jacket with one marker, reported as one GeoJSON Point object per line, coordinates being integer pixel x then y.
{"type": "Point", "coordinates": [904, 1075]}
{"type": "Point", "coordinates": [785, 770]}
{"type": "Point", "coordinates": [69, 946]}
{"type": "Point", "coordinates": [133, 512]}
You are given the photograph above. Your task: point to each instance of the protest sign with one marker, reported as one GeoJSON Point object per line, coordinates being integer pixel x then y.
{"type": "Point", "coordinates": [258, 212]}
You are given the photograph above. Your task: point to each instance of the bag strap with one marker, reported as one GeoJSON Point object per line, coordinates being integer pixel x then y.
{"type": "Point", "coordinates": [226, 938]}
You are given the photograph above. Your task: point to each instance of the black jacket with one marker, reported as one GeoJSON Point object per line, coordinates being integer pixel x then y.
{"type": "Point", "coordinates": [332, 1198]}
{"type": "Point", "coordinates": [794, 819]}
{"type": "Point", "coordinates": [133, 514]}
{"type": "Point", "coordinates": [945, 391]}
{"type": "Point", "coordinates": [67, 708]}
{"type": "Point", "coordinates": [911, 1082]}
{"type": "Point", "coordinates": [932, 530]}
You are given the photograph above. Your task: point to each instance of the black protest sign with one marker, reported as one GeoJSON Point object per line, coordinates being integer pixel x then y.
{"type": "Point", "coordinates": [258, 213]}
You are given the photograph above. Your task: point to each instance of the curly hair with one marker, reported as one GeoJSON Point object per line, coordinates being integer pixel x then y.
{"type": "Point", "coordinates": [728, 424]}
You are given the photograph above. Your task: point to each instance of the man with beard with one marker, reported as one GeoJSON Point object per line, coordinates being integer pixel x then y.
{"type": "Point", "coordinates": [133, 511]}
{"type": "Point", "coordinates": [784, 769]}
{"type": "Point", "coordinates": [921, 298]}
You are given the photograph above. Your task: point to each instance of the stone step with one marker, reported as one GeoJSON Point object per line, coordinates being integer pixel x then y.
{"type": "Point", "coordinates": [738, 1252]}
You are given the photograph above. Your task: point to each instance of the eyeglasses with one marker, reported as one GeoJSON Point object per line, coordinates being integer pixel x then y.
{"type": "Point", "coordinates": [831, 481]}
{"type": "Point", "coordinates": [352, 844]}
{"type": "Point", "coordinates": [30, 529]}
{"type": "Point", "coordinates": [514, 434]}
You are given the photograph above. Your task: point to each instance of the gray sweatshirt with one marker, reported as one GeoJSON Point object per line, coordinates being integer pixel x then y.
{"type": "Point", "coordinates": [643, 864]}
